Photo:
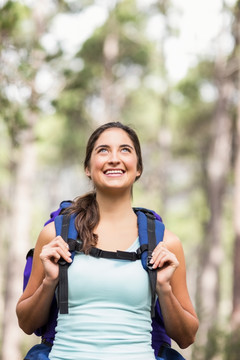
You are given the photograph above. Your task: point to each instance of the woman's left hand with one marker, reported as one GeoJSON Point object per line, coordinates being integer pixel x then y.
{"type": "Point", "coordinates": [165, 262]}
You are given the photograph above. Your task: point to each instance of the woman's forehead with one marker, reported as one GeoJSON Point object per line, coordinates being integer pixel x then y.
{"type": "Point", "coordinates": [113, 137]}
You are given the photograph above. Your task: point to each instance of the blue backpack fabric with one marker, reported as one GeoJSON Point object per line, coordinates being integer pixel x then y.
{"type": "Point", "coordinates": [149, 225]}
{"type": "Point", "coordinates": [38, 352]}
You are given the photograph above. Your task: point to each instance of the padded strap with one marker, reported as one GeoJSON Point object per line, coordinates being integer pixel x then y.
{"type": "Point", "coordinates": [63, 271]}
{"type": "Point", "coordinates": [152, 243]}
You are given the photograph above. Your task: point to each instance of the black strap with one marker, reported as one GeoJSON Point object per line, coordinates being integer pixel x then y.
{"type": "Point", "coordinates": [152, 243]}
{"type": "Point", "coordinates": [30, 253]}
{"type": "Point", "coordinates": [162, 347]}
{"type": "Point", "coordinates": [44, 341]}
{"type": "Point", "coordinates": [119, 255]}
{"type": "Point", "coordinates": [76, 245]}
{"type": "Point", "coordinates": [63, 271]}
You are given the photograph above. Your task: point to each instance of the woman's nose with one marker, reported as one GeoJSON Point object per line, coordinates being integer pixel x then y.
{"type": "Point", "coordinates": [113, 157]}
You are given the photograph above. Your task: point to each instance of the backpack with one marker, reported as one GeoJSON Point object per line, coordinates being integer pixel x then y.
{"type": "Point", "coordinates": [151, 231]}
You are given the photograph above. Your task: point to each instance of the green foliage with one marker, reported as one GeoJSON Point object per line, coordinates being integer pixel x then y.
{"type": "Point", "coordinates": [13, 13]}
{"type": "Point", "coordinates": [133, 53]}
{"type": "Point", "coordinates": [126, 11]}
{"type": "Point", "coordinates": [14, 119]}
{"type": "Point", "coordinates": [142, 110]}
{"type": "Point", "coordinates": [215, 343]}
{"type": "Point", "coordinates": [49, 132]}
{"type": "Point", "coordinates": [91, 50]}
{"type": "Point", "coordinates": [5, 155]}
{"type": "Point", "coordinates": [192, 113]}
{"type": "Point", "coordinates": [132, 49]}
{"type": "Point", "coordinates": [72, 6]}
{"type": "Point", "coordinates": [232, 347]}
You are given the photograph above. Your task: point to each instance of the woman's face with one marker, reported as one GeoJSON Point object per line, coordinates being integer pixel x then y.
{"type": "Point", "coordinates": [113, 162]}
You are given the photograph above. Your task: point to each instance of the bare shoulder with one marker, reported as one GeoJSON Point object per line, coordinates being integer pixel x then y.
{"type": "Point", "coordinates": [47, 234]}
{"type": "Point", "coordinates": [172, 241]}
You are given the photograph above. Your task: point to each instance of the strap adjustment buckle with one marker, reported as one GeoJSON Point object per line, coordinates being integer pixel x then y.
{"type": "Point", "coordinates": [149, 265]}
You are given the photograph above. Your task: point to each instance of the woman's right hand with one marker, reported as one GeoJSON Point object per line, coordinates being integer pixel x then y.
{"type": "Point", "coordinates": [34, 304]}
{"type": "Point", "coordinates": [50, 255]}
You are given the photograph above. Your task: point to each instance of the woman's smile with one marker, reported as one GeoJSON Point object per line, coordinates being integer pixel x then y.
{"type": "Point", "coordinates": [114, 172]}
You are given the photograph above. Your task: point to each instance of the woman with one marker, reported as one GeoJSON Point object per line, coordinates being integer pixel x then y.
{"type": "Point", "coordinates": [109, 300]}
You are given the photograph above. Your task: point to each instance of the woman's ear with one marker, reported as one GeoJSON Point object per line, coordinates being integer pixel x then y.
{"type": "Point", "coordinates": [139, 173]}
{"type": "Point", "coordinates": [87, 172]}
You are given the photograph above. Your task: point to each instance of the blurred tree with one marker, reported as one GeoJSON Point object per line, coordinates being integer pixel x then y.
{"type": "Point", "coordinates": [233, 343]}
{"type": "Point", "coordinates": [22, 59]}
{"type": "Point", "coordinates": [217, 171]}
{"type": "Point", "coordinates": [20, 133]}
{"type": "Point", "coordinates": [207, 121]}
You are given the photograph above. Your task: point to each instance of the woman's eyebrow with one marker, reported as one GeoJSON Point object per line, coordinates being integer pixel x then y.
{"type": "Point", "coordinates": [107, 146]}
{"type": "Point", "coordinates": [126, 145]}
{"type": "Point", "coordinates": [101, 146]}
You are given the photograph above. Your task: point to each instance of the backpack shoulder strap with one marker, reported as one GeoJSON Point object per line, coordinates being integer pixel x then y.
{"type": "Point", "coordinates": [65, 226]}
{"type": "Point", "coordinates": [151, 232]}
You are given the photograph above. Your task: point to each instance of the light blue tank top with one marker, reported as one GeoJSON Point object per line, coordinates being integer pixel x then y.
{"type": "Point", "coordinates": [109, 311]}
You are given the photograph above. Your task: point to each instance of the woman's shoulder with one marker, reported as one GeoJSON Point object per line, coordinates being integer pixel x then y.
{"type": "Point", "coordinates": [172, 241]}
{"type": "Point", "coordinates": [47, 233]}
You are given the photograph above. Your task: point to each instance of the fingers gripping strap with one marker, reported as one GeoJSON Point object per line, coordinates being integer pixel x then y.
{"type": "Point", "coordinates": [63, 271]}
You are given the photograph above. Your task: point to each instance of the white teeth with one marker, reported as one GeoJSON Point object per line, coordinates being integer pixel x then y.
{"type": "Point", "coordinates": [114, 172]}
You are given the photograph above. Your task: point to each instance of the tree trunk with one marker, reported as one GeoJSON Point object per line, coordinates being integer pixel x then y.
{"type": "Point", "coordinates": [236, 251]}
{"type": "Point", "coordinates": [211, 255]}
{"type": "Point", "coordinates": [236, 255]}
{"type": "Point", "coordinates": [18, 246]}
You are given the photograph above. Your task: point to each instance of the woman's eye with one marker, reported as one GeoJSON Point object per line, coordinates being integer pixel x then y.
{"type": "Point", "coordinates": [102, 150]}
{"type": "Point", "coordinates": [126, 149]}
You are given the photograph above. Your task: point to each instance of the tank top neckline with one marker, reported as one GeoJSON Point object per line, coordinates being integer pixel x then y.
{"type": "Point", "coordinates": [133, 246]}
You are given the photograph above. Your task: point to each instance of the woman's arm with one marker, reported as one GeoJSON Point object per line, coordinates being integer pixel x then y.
{"type": "Point", "coordinates": [180, 319]}
{"type": "Point", "coordinates": [34, 304]}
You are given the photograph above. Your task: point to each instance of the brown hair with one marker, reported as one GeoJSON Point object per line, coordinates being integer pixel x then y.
{"type": "Point", "coordinates": [86, 206]}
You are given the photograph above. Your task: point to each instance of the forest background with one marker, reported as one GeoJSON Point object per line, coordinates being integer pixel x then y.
{"type": "Point", "coordinates": [58, 82]}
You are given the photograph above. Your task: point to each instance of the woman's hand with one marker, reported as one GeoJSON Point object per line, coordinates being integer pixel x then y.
{"type": "Point", "coordinates": [165, 262]}
{"type": "Point", "coordinates": [50, 255]}
{"type": "Point", "coordinates": [180, 319]}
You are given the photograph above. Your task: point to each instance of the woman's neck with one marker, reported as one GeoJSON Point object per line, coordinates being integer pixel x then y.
{"type": "Point", "coordinates": [114, 206]}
